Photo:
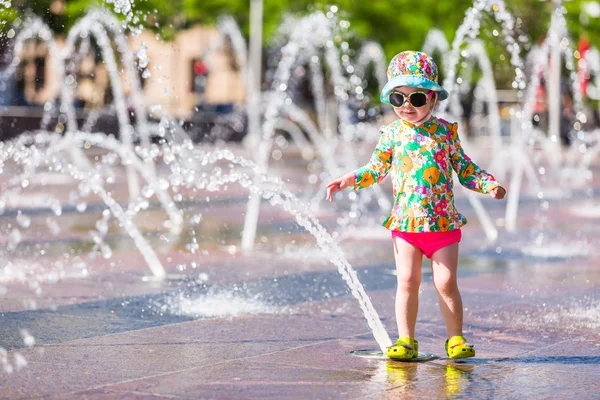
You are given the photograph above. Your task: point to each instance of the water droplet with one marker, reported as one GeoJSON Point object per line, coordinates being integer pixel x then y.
{"type": "Point", "coordinates": [106, 251]}
{"type": "Point", "coordinates": [23, 220]}
{"type": "Point", "coordinates": [81, 206]}
{"type": "Point", "coordinates": [52, 226]}
{"type": "Point", "coordinates": [20, 361]}
{"type": "Point", "coordinates": [14, 239]}
{"type": "Point", "coordinates": [28, 339]}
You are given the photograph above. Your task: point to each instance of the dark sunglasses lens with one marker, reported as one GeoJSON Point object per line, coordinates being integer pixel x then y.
{"type": "Point", "coordinates": [418, 99]}
{"type": "Point", "coordinates": [396, 99]}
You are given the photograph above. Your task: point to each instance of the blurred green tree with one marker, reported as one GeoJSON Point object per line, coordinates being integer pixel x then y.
{"type": "Point", "coordinates": [396, 24]}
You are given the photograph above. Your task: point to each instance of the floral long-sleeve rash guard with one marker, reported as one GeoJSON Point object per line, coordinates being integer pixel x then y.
{"type": "Point", "coordinates": [421, 159]}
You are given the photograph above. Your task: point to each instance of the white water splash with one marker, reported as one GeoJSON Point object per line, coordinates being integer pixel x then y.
{"type": "Point", "coordinates": [125, 7]}
{"type": "Point", "coordinates": [557, 250]}
{"type": "Point", "coordinates": [28, 339]}
{"type": "Point", "coordinates": [575, 315]}
{"type": "Point", "coordinates": [36, 273]}
{"type": "Point", "coordinates": [7, 368]}
{"type": "Point", "coordinates": [304, 254]}
{"type": "Point", "coordinates": [587, 210]}
{"type": "Point", "coordinates": [217, 305]}
{"type": "Point", "coordinates": [19, 361]}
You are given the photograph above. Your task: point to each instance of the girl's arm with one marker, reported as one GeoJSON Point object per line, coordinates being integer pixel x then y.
{"type": "Point", "coordinates": [379, 165]}
{"type": "Point", "coordinates": [469, 174]}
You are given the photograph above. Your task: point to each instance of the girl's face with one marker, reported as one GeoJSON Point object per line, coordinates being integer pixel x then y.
{"type": "Point", "coordinates": [409, 113]}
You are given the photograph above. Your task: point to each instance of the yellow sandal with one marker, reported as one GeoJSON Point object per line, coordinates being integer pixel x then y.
{"type": "Point", "coordinates": [404, 349]}
{"type": "Point", "coordinates": [458, 347]}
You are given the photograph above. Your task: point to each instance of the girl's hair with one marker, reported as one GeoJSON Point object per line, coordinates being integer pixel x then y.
{"type": "Point", "coordinates": [434, 100]}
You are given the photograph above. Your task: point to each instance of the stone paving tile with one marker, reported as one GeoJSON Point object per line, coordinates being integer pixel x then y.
{"type": "Point", "coordinates": [240, 330]}
{"type": "Point", "coordinates": [164, 349]}
{"type": "Point", "coordinates": [99, 394]}
{"type": "Point", "coordinates": [44, 380]}
{"type": "Point", "coordinates": [253, 378]}
{"type": "Point", "coordinates": [228, 390]}
{"type": "Point", "coordinates": [330, 355]}
{"type": "Point", "coordinates": [64, 368]}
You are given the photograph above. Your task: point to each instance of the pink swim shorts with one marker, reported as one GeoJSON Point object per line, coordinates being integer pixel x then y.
{"type": "Point", "coordinates": [429, 242]}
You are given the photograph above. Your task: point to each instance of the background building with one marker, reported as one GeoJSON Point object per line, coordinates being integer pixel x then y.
{"type": "Point", "coordinates": [182, 75]}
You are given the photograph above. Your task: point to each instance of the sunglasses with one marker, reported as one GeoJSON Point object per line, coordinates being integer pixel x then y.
{"type": "Point", "coordinates": [416, 99]}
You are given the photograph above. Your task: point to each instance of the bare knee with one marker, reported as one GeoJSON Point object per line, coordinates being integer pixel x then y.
{"type": "Point", "coordinates": [445, 284]}
{"type": "Point", "coordinates": [409, 280]}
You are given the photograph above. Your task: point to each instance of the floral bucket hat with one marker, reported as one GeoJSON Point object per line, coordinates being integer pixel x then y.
{"type": "Point", "coordinates": [415, 69]}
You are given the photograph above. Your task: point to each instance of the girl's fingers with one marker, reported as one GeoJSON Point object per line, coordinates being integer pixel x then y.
{"type": "Point", "coordinates": [336, 186]}
{"type": "Point", "coordinates": [330, 191]}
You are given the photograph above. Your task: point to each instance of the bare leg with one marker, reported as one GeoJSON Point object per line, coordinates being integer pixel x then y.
{"type": "Point", "coordinates": [409, 260]}
{"type": "Point", "coordinates": [444, 264]}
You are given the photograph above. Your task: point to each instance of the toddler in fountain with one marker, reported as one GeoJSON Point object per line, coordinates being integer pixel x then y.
{"type": "Point", "coordinates": [421, 151]}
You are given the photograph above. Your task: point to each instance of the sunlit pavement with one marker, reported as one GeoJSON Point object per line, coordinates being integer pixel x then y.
{"type": "Point", "coordinates": [279, 322]}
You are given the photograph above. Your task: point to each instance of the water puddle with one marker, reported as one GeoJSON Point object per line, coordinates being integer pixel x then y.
{"type": "Point", "coordinates": [378, 355]}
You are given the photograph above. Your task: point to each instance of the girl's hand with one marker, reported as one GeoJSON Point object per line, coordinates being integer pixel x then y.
{"type": "Point", "coordinates": [339, 184]}
{"type": "Point", "coordinates": [498, 192]}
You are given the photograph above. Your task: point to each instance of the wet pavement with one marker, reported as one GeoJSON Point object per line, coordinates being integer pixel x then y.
{"type": "Point", "coordinates": [279, 322]}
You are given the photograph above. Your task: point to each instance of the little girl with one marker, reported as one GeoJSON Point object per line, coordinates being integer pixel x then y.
{"type": "Point", "coordinates": [421, 151]}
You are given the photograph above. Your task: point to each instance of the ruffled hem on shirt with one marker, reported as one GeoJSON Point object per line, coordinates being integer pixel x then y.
{"type": "Point", "coordinates": [424, 224]}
